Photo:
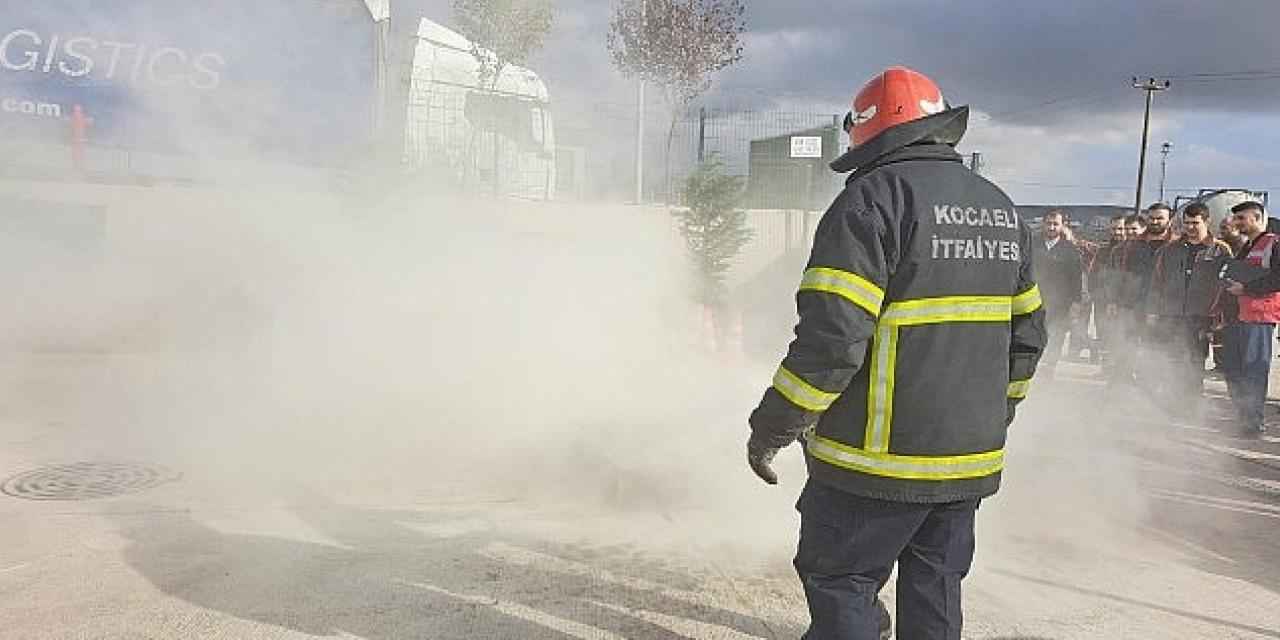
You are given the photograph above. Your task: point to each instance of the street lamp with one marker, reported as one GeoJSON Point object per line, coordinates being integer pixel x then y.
{"type": "Point", "coordinates": [1164, 165]}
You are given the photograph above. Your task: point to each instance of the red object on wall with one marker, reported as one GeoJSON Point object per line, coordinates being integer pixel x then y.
{"type": "Point", "coordinates": [79, 136]}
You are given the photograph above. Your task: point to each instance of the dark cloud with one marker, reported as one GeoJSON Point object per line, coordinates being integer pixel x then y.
{"type": "Point", "coordinates": [1063, 64]}
{"type": "Point", "coordinates": [1031, 61]}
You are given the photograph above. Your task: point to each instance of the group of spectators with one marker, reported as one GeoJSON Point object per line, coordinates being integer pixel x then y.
{"type": "Point", "coordinates": [1159, 293]}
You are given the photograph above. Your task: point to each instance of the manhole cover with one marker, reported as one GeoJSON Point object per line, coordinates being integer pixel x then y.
{"type": "Point", "coordinates": [86, 481]}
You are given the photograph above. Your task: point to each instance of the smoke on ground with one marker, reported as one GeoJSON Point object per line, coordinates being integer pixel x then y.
{"type": "Point", "coordinates": [264, 340]}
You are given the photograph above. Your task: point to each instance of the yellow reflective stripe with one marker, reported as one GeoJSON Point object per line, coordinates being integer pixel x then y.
{"type": "Point", "coordinates": [849, 286]}
{"type": "Point", "coordinates": [949, 309]}
{"type": "Point", "coordinates": [884, 353]}
{"type": "Point", "coordinates": [1019, 388]}
{"type": "Point", "coordinates": [884, 350]}
{"type": "Point", "coordinates": [1027, 301]}
{"type": "Point", "coordinates": [975, 465]}
{"type": "Point", "coordinates": [801, 393]}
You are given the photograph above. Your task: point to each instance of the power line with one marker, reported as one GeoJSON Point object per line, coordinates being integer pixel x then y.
{"type": "Point", "coordinates": [1221, 74]}
{"type": "Point", "coordinates": [1060, 100]}
{"type": "Point", "coordinates": [1256, 78]}
{"type": "Point", "coordinates": [1097, 187]}
{"type": "Point", "coordinates": [1032, 182]}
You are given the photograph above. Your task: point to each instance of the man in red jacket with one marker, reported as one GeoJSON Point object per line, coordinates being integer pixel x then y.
{"type": "Point", "coordinates": [1247, 342]}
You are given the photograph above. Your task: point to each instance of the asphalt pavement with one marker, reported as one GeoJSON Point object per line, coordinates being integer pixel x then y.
{"type": "Point", "coordinates": [1115, 521]}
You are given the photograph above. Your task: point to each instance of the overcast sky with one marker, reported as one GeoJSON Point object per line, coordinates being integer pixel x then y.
{"type": "Point", "coordinates": [1058, 120]}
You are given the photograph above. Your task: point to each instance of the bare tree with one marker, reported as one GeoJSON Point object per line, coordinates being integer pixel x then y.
{"type": "Point", "coordinates": [502, 33]}
{"type": "Point", "coordinates": [677, 45]}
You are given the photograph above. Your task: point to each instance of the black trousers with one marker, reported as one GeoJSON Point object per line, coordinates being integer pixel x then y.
{"type": "Point", "coordinates": [1184, 342]}
{"type": "Point", "coordinates": [848, 545]}
{"type": "Point", "coordinates": [1130, 333]}
{"type": "Point", "coordinates": [1080, 339]}
{"type": "Point", "coordinates": [1058, 324]}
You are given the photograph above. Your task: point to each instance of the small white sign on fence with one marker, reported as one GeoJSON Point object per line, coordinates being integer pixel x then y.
{"type": "Point", "coordinates": [806, 146]}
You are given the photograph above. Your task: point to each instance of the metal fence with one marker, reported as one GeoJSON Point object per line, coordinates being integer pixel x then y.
{"type": "Point", "coordinates": [782, 155]}
{"type": "Point", "coordinates": [786, 189]}
{"type": "Point", "coordinates": [777, 233]}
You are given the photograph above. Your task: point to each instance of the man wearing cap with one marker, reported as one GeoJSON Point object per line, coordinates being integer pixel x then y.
{"type": "Point", "coordinates": [1246, 347]}
{"type": "Point", "coordinates": [920, 329]}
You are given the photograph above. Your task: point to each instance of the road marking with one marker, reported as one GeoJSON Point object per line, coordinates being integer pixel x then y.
{"type": "Point", "coordinates": [449, 529]}
{"type": "Point", "coordinates": [1244, 454]}
{"type": "Point", "coordinates": [1192, 427]}
{"type": "Point", "coordinates": [1204, 501]}
{"type": "Point", "coordinates": [1249, 504]}
{"type": "Point", "coordinates": [681, 626]}
{"type": "Point", "coordinates": [1269, 487]}
{"type": "Point", "coordinates": [1188, 545]}
{"type": "Point", "coordinates": [15, 567]}
{"type": "Point", "coordinates": [528, 614]}
{"type": "Point", "coordinates": [512, 555]}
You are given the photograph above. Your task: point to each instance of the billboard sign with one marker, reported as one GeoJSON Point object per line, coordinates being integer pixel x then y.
{"type": "Point", "coordinates": [291, 78]}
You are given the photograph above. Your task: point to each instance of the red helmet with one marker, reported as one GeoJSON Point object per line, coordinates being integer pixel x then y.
{"type": "Point", "coordinates": [896, 96]}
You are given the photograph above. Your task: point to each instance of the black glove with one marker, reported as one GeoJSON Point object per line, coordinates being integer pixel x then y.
{"type": "Point", "coordinates": [760, 457]}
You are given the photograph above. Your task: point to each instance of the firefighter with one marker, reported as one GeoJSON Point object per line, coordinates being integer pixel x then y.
{"type": "Point", "coordinates": [920, 329]}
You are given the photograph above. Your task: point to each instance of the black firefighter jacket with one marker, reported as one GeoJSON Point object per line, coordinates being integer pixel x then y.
{"type": "Point", "coordinates": [920, 326]}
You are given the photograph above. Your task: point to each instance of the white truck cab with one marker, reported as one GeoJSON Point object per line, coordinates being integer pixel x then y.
{"type": "Point", "coordinates": [498, 139]}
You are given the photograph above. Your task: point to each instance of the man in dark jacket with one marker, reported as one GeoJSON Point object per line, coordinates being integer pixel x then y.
{"type": "Point", "coordinates": [1060, 273]}
{"type": "Point", "coordinates": [1138, 263]}
{"type": "Point", "coordinates": [920, 329]}
{"type": "Point", "coordinates": [1184, 287]}
{"type": "Point", "coordinates": [1103, 276]}
{"type": "Point", "coordinates": [1140, 257]}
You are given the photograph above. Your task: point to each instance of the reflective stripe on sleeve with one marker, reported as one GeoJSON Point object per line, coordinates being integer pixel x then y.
{"type": "Point", "coordinates": [849, 286]}
{"type": "Point", "coordinates": [977, 465]}
{"type": "Point", "coordinates": [801, 393]}
{"type": "Point", "coordinates": [1018, 389]}
{"type": "Point", "coordinates": [1027, 301]}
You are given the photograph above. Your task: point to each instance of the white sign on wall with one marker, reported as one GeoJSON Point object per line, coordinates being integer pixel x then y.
{"type": "Point", "coordinates": [806, 146]}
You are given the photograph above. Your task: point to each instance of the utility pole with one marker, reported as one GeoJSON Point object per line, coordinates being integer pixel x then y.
{"type": "Point", "coordinates": [644, 6]}
{"type": "Point", "coordinates": [1164, 165]}
{"type": "Point", "coordinates": [640, 143]}
{"type": "Point", "coordinates": [1150, 86]}
{"type": "Point", "coordinates": [702, 134]}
